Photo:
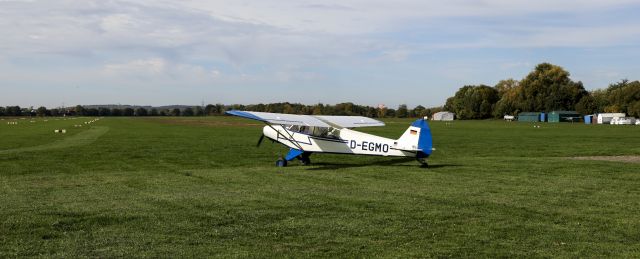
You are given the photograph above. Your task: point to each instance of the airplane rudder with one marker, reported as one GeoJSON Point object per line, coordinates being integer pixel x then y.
{"type": "Point", "coordinates": [425, 142]}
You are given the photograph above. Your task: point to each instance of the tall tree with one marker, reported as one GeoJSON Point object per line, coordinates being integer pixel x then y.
{"type": "Point", "coordinates": [102, 111]}
{"type": "Point", "coordinates": [14, 111]}
{"type": "Point", "coordinates": [402, 111]}
{"type": "Point", "coordinates": [473, 102]}
{"type": "Point", "coordinates": [116, 112]}
{"type": "Point", "coordinates": [128, 112]}
{"type": "Point", "coordinates": [140, 111]}
{"type": "Point", "coordinates": [198, 111]}
{"type": "Point", "coordinates": [42, 111]}
{"type": "Point", "coordinates": [549, 88]}
{"type": "Point", "coordinates": [188, 112]}
{"type": "Point", "coordinates": [79, 110]}
{"type": "Point", "coordinates": [175, 112]}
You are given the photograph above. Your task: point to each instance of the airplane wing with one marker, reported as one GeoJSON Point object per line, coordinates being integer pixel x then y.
{"type": "Point", "coordinates": [350, 121]}
{"type": "Point", "coordinates": [279, 118]}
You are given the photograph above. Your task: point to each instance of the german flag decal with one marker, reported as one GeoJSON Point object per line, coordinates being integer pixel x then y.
{"type": "Point", "coordinates": [414, 132]}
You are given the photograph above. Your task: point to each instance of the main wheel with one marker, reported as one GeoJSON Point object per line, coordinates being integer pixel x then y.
{"type": "Point", "coordinates": [305, 160]}
{"type": "Point", "coordinates": [281, 163]}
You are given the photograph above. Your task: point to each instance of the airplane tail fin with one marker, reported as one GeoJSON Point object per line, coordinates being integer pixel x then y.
{"type": "Point", "coordinates": [417, 138]}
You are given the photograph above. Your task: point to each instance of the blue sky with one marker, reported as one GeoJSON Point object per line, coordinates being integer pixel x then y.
{"type": "Point", "coordinates": [366, 51]}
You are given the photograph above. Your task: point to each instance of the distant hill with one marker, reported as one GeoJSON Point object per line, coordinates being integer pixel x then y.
{"type": "Point", "coordinates": [124, 106]}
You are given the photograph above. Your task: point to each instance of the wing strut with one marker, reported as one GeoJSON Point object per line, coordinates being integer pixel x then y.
{"type": "Point", "coordinates": [290, 138]}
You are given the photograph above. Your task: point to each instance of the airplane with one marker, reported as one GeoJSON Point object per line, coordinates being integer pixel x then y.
{"type": "Point", "coordinates": [308, 134]}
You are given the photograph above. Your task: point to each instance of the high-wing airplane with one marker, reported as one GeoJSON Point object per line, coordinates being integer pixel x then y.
{"type": "Point", "coordinates": [308, 134]}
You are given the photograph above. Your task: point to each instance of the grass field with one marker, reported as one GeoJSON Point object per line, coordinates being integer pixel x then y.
{"type": "Point", "coordinates": [178, 187]}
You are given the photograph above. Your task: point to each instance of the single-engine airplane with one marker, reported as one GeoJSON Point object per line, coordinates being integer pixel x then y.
{"type": "Point", "coordinates": [308, 134]}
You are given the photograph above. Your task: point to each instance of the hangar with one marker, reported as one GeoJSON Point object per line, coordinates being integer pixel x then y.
{"type": "Point", "coordinates": [531, 116]}
{"type": "Point", "coordinates": [564, 116]}
{"type": "Point", "coordinates": [443, 116]}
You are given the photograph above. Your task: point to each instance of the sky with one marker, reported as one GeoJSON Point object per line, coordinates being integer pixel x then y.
{"type": "Point", "coordinates": [370, 52]}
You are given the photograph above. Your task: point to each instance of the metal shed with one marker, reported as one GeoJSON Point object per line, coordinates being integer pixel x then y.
{"type": "Point", "coordinates": [564, 116]}
{"type": "Point", "coordinates": [443, 116]}
{"type": "Point", "coordinates": [529, 116]}
{"type": "Point", "coordinates": [588, 119]}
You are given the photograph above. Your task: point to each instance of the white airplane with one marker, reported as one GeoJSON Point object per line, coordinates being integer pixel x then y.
{"type": "Point", "coordinates": [308, 134]}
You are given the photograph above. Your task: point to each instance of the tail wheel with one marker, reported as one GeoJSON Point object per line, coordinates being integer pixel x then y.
{"type": "Point", "coordinates": [423, 162]}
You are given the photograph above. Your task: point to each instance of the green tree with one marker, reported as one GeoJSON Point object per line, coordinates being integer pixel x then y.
{"type": "Point", "coordinates": [402, 111]}
{"type": "Point", "coordinates": [91, 112]}
{"type": "Point", "coordinates": [79, 110]}
{"type": "Point", "coordinates": [175, 112]}
{"type": "Point", "coordinates": [128, 111]}
{"type": "Point", "coordinates": [42, 111]}
{"type": "Point", "coordinates": [140, 111]}
{"type": "Point", "coordinates": [382, 111]}
{"type": "Point", "coordinates": [198, 111]}
{"type": "Point", "coordinates": [548, 88]}
{"type": "Point", "coordinates": [317, 109]}
{"type": "Point", "coordinates": [188, 112]}
{"type": "Point", "coordinates": [634, 109]}
{"type": "Point", "coordinates": [102, 111]}
{"type": "Point", "coordinates": [13, 111]}
{"type": "Point", "coordinates": [622, 97]}
{"type": "Point", "coordinates": [473, 102]}
{"type": "Point", "coordinates": [505, 86]}
{"type": "Point", "coordinates": [587, 105]}
{"type": "Point", "coordinates": [419, 111]}
{"type": "Point", "coordinates": [210, 109]}
{"type": "Point", "coordinates": [116, 112]}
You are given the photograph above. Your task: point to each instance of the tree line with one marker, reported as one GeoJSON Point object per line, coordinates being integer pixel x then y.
{"type": "Point", "coordinates": [547, 88]}
{"type": "Point", "coordinates": [219, 109]}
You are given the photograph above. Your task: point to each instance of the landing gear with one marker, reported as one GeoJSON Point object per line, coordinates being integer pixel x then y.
{"type": "Point", "coordinates": [304, 158]}
{"type": "Point", "coordinates": [281, 162]}
{"type": "Point", "coordinates": [293, 154]}
{"type": "Point", "coordinates": [423, 162]}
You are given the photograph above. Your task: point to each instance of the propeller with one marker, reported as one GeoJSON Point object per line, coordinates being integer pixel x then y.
{"type": "Point", "coordinates": [260, 140]}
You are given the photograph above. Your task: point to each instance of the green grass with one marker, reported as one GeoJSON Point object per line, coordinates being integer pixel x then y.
{"type": "Point", "coordinates": [178, 187]}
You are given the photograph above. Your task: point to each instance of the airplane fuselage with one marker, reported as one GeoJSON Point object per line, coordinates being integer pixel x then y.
{"type": "Point", "coordinates": [345, 142]}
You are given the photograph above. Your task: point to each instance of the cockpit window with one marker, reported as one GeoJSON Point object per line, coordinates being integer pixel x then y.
{"type": "Point", "coordinates": [323, 132]}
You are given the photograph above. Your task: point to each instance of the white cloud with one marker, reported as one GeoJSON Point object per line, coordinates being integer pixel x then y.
{"type": "Point", "coordinates": [159, 70]}
{"type": "Point", "coordinates": [153, 66]}
{"type": "Point", "coordinates": [265, 42]}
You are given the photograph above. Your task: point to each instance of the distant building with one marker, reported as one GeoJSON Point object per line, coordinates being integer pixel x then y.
{"type": "Point", "coordinates": [443, 116]}
{"type": "Point", "coordinates": [589, 119]}
{"type": "Point", "coordinates": [564, 116]}
{"type": "Point", "coordinates": [531, 116]}
{"type": "Point", "coordinates": [605, 118]}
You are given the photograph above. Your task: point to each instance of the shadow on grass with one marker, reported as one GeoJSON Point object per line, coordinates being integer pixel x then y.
{"type": "Point", "coordinates": [396, 162]}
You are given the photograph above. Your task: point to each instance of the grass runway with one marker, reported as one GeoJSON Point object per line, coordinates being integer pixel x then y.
{"type": "Point", "coordinates": [196, 187]}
